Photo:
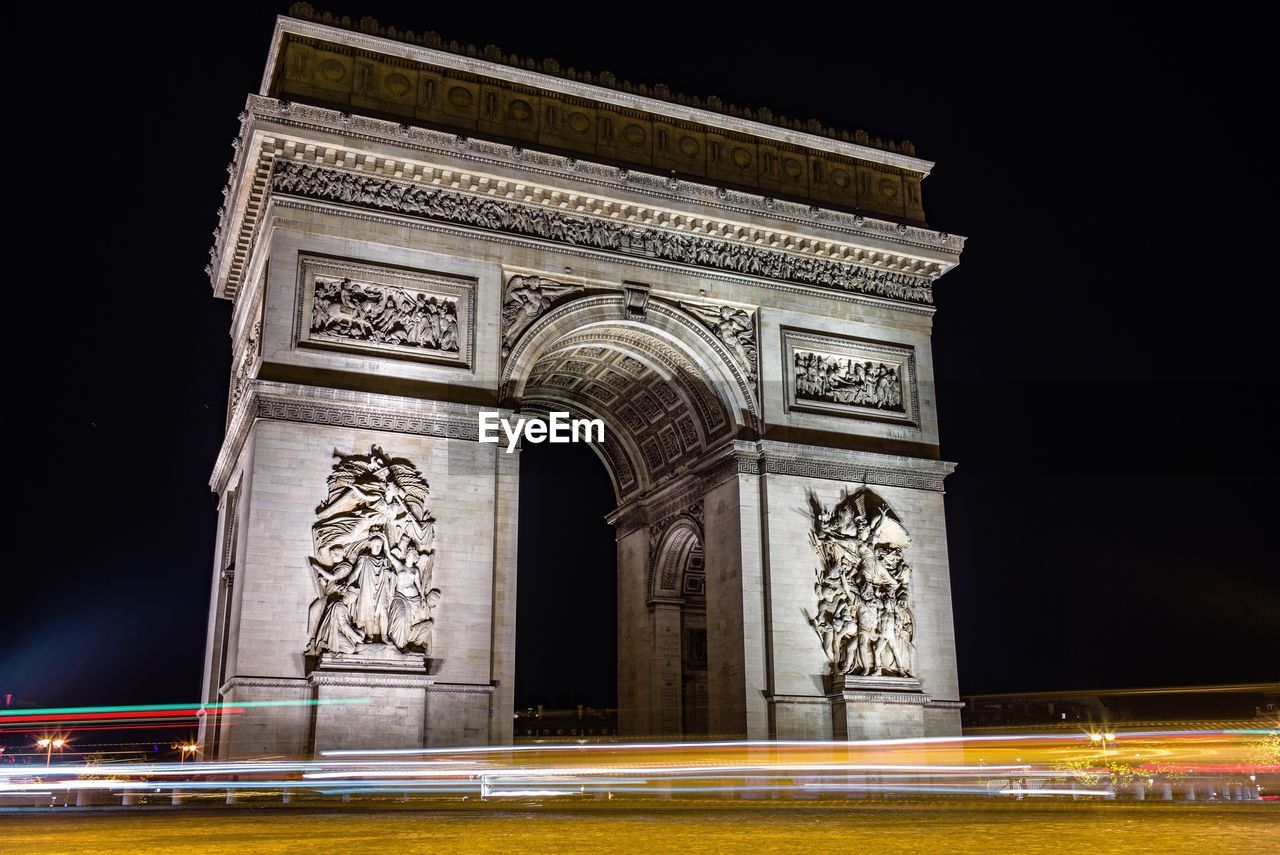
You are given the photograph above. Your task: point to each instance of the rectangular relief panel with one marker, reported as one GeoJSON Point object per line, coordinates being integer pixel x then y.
{"type": "Point", "coordinates": [385, 311]}
{"type": "Point", "coordinates": [852, 377]}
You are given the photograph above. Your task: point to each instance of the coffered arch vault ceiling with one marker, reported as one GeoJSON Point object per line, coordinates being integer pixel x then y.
{"type": "Point", "coordinates": [660, 417]}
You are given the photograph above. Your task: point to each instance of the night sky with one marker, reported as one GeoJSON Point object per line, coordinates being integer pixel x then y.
{"type": "Point", "coordinates": [1100, 351]}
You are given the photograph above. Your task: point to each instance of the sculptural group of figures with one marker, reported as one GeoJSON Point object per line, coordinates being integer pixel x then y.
{"type": "Point", "coordinates": [374, 553]}
{"type": "Point", "coordinates": [339, 185]}
{"type": "Point", "coordinates": [863, 586]}
{"type": "Point", "coordinates": [843, 380]}
{"type": "Point", "coordinates": [733, 327]}
{"type": "Point", "coordinates": [384, 314]}
{"type": "Point", "coordinates": [526, 299]}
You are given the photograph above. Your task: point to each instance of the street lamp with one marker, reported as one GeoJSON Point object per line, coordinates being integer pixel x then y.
{"type": "Point", "coordinates": [48, 743]}
{"type": "Point", "coordinates": [1102, 739]}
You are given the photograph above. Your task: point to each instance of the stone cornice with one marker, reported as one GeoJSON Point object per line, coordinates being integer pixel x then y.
{"type": "Point", "coordinates": [340, 408]}
{"type": "Point", "coordinates": [272, 129]}
{"type": "Point", "coordinates": [385, 681]}
{"type": "Point", "coordinates": [285, 118]}
{"type": "Point", "coordinates": [735, 253]}
{"type": "Point", "coordinates": [915, 699]}
{"type": "Point", "coordinates": [460, 689]}
{"type": "Point", "coordinates": [746, 457]}
{"type": "Point", "coordinates": [577, 89]}
{"type": "Point", "coordinates": [234, 683]}
{"type": "Point", "coordinates": [640, 263]}
{"type": "Point", "coordinates": [860, 467]}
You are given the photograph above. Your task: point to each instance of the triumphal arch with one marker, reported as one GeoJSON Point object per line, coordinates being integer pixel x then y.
{"type": "Point", "coordinates": [415, 232]}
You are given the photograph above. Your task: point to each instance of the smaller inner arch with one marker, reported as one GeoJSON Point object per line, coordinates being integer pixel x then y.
{"type": "Point", "coordinates": [677, 596]}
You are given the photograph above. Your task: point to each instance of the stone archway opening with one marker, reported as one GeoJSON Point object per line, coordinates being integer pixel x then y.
{"type": "Point", "coordinates": [566, 598]}
{"type": "Point", "coordinates": [671, 401]}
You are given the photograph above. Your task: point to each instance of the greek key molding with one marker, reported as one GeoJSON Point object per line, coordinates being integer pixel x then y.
{"type": "Point", "coordinates": [234, 683]}
{"type": "Point", "coordinates": [935, 704]}
{"type": "Point", "coordinates": [314, 405]}
{"type": "Point", "coordinates": [854, 466]}
{"type": "Point", "coordinates": [723, 470]}
{"type": "Point", "coordinates": [811, 700]}
{"type": "Point", "coordinates": [903, 698]}
{"type": "Point", "coordinates": [382, 681]}
{"type": "Point", "coordinates": [914, 699]}
{"type": "Point", "coordinates": [837, 471]}
{"type": "Point", "coordinates": [363, 418]}
{"type": "Point", "coordinates": [833, 464]}
{"type": "Point", "coordinates": [459, 689]}
{"type": "Point", "coordinates": [313, 181]}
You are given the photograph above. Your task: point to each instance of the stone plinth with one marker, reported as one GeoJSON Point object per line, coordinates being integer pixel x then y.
{"type": "Point", "coordinates": [376, 701]}
{"type": "Point", "coordinates": [858, 715]}
{"type": "Point", "coordinates": [375, 659]}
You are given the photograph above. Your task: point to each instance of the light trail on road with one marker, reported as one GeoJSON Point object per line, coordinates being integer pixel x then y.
{"type": "Point", "coordinates": [1241, 764]}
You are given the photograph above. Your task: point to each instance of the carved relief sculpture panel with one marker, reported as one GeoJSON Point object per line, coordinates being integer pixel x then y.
{"type": "Point", "coordinates": [361, 308]}
{"type": "Point", "coordinates": [244, 361]}
{"type": "Point", "coordinates": [315, 181]}
{"type": "Point", "coordinates": [374, 552]}
{"type": "Point", "coordinates": [735, 328]}
{"type": "Point", "coordinates": [850, 377]}
{"type": "Point", "coordinates": [863, 584]}
{"type": "Point", "coordinates": [526, 299]}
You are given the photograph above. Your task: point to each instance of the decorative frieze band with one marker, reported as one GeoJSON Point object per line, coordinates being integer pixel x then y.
{"type": "Point", "coordinates": [233, 683]}
{"type": "Point", "coordinates": [914, 699]}
{"type": "Point", "coordinates": [836, 471]}
{"type": "Point", "coordinates": [313, 405]}
{"type": "Point", "coordinates": [874, 697]}
{"type": "Point", "coordinates": [313, 181]}
{"type": "Point", "coordinates": [384, 681]}
{"type": "Point", "coordinates": [459, 689]}
{"type": "Point", "coordinates": [245, 184]}
{"type": "Point", "coordinates": [905, 698]}
{"type": "Point", "coordinates": [292, 410]}
{"type": "Point", "coordinates": [745, 457]}
{"type": "Point", "coordinates": [935, 704]}
{"type": "Point", "coordinates": [836, 464]}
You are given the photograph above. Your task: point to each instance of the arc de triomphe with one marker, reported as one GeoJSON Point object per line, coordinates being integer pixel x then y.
{"type": "Point", "coordinates": [414, 233]}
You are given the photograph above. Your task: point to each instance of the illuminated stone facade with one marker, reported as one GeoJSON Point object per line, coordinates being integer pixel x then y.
{"type": "Point", "coordinates": [412, 235]}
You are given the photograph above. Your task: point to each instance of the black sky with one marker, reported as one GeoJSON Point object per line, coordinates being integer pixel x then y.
{"type": "Point", "coordinates": [1103, 354]}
